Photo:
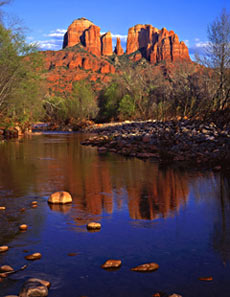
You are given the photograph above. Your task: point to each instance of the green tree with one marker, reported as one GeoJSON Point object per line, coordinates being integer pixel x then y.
{"type": "Point", "coordinates": [126, 108]}
{"type": "Point", "coordinates": [20, 83]}
{"type": "Point", "coordinates": [217, 57]}
{"type": "Point", "coordinates": [82, 103]}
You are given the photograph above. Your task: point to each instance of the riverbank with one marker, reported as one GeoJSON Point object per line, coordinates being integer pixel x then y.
{"type": "Point", "coordinates": [184, 142]}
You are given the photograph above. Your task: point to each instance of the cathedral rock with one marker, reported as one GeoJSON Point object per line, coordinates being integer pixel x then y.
{"type": "Point", "coordinates": [87, 34]}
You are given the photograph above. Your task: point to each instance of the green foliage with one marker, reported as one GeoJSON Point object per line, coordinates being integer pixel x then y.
{"type": "Point", "coordinates": [20, 83]}
{"type": "Point", "coordinates": [80, 105]}
{"type": "Point", "coordinates": [126, 107]}
{"type": "Point", "coordinates": [83, 104]}
{"type": "Point", "coordinates": [109, 101]}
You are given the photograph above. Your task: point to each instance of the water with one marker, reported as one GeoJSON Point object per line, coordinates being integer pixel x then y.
{"type": "Point", "coordinates": [178, 219]}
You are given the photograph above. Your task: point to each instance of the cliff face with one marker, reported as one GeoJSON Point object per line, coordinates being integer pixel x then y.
{"type": "Point", "coordinates": [106, 44]}
{"type": "Point", "coordinates": [85, 54]}
{"type": "Point", "coordinates": [118, 49]}
{"type": "Point", "coordinates": [87, 34]}
{"type": "Point", "coordinates": [75, 32]}
{"type": "Point", "coordinates": [156, 45]}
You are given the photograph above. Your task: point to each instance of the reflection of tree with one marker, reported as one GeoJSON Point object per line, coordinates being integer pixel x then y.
{"type": "Point", "coordinates": [221, 235]}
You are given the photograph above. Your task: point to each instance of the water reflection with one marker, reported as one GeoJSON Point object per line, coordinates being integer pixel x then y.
{"type": "Point", "coordinates": [48, 163]}
{"type": "Point", "coordinates": [127, 196]}
{"type": "Point", "coordinates": [221, 234]}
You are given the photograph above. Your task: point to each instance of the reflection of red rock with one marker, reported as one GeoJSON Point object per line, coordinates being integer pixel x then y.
{"type": "Point", "coordinates": [106, 44]}
{"type": "Point", "coordinates": [118, 49]}
{"type": "Point", "coordinates": [156, 45]}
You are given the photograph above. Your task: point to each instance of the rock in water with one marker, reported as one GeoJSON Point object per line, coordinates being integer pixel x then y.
{"type": "Point", "coordinates": [111, 264]}
{"type": "Point", "coordinates": [35, 256]}
{"type": "Point", "coordinates": [146, 267]}
{"type": "Point", "coordinates": [6, 268]}
{"type": "Point", "coordinates": [23, 227]}
{"type": "Point", "coordinates": [61, 197]}
{"type": "Point", "coordinates": [93, 226]}
{"type": "Point", "coordinates": [3, 248]}
{"type": "Point", "coordinates": [33, 288]}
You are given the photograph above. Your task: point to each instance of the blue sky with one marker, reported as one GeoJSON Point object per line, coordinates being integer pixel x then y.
{"type": "Point", "coordinates": [47, 21]}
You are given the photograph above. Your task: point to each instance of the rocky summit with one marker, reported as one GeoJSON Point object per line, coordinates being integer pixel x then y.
{"type": "Point", "coordinates": [156, 45]}
{"type": "Point", "coordinates": [89, 54]}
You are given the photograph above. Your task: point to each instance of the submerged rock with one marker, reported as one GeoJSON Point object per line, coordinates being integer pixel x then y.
{"type": "Point", "coordinates": [34, 288]}
{"type": "Point", "coordinates": [111, 264]}
{"type": "Point", "coordinates": [206, 278]}
{"type": "Point", "coordinates": [61, 197]}
{"type": "Point", "coordinates": [35, 256]}
{"type": "Point", "coordinates": [146, 267]}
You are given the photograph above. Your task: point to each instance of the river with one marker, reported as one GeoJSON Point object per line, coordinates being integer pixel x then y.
{"type": "Point", "coordinates": [179, 219]}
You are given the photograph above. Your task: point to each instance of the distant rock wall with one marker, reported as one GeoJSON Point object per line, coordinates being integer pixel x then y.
{"type": "Point", "coordinates": [156, 45]}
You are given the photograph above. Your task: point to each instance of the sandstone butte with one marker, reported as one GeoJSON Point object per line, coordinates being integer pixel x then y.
{"type": "Point", "coordinates": [85, 53]}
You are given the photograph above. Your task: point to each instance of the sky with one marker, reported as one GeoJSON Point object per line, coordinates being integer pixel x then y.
{"type": "Point", "coordinates": [46, 21]}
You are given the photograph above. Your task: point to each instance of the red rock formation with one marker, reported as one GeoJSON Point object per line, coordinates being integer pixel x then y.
{"type": "Point", "coordinates": [106, 44]}
{"type": "Point", "coordinates": [140, 36]}
{"type": "Point", "coordinates": [93, 40]}
{"type": "Point", "coordinates": [75, 32]}
{"type": "Point", "coordinates": [118, 49]}
{"type": "Point", "coordinates": [156, 45]}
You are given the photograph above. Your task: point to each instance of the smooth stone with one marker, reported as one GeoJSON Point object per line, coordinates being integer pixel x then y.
{"type": "Point", "coordinates": [6, 268]}
{"type": "Point", "coordinates": [175, 295]}
{"type": "Point", "coordinates": [206, 278]}
{"type": "Point", "coordinates": [111, 264]}
{"type": "Point", "coordinates": [34, 256]}
{"type": "Point", "coordinates": [3, 248]}
{"type": "Point", "coordinates": [23, 227]}
{"type": "Point", "coordinates": [34, 206]}
{"type": "Point", "coordinates": [61, 197]}
{"type": "Point", "coordinates": [22, 209]}
{"type": "Point", "coordinates": [93, 226]}
{"type": "Point", "coordinates": [34, 203]}
{"type": "Point", "coordinates": [3, 275]}
{"type": "Point", "coordinates": [146, 267]}
{"type": "Point", "coordinates": [33, 289]}
{"type": "Point", "coordinates": [2, 208]}
{"type": "Point", "coordinates": [11, 296]}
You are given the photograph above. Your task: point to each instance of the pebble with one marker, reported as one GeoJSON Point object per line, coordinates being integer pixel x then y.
{"type": "Point", "coordinates": [23, 227]}
{"type": "Point", "coordinates": [2, 208]}
{"type": "Point", "coordinates": [146, 267]}
{"type": "Point", "coordinates": [110, 264]}
{"type": "Point", "coordinates": [3, 248]}
{"type": "Point", "coordinates": [93, 226]}
{"type": "Point", "coordinates": [6, 268]}
{"type": "Point", "coordinates": [34, 256]}
{"type": "Point", "coordinates": [183, 141]}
